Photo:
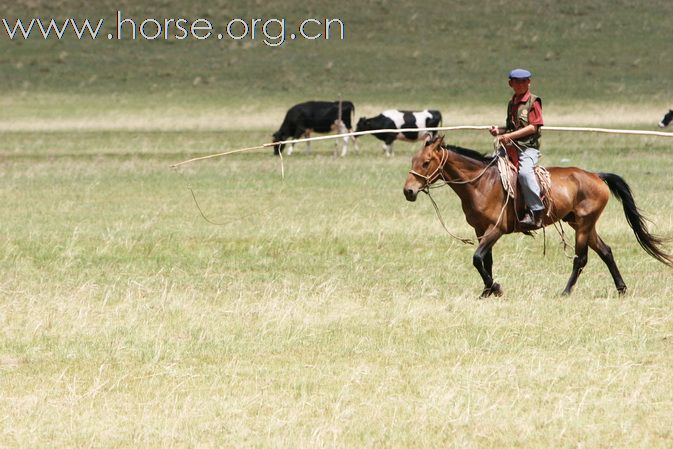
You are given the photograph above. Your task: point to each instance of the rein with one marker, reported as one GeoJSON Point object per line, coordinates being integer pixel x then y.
{"type": "Point", "coordinates": [429, 179]}
{"type": "Point", "coordinates": [466, 241]}
{"type": "Point", "coordinates": [439, 172]}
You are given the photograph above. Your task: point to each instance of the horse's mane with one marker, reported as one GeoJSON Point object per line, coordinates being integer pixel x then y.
{"type": "Point", "coordinates": [472, 154]}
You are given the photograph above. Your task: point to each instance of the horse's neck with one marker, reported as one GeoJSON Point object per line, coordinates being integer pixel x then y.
{"type": "Point", "coordinates": [466, 176]}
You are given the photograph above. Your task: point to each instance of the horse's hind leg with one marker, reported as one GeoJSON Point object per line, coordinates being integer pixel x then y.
{"type": "Point", "coordinates": [605, 253]}
{"type": "Point", "coordinates": [580, 260]}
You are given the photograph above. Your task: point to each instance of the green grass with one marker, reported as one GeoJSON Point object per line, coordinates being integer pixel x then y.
{"type": "Point", "coordinates": [395, 54]}
{"type": "Point", "coordinates": [326, 311]}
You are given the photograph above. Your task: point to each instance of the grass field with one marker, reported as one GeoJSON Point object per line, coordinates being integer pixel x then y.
{"type": "Point", "coordinates": [326, 311]}
{"type": "Point", "coordinates": [323, 310]}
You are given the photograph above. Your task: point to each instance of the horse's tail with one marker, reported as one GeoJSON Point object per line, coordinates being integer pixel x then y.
{"type": "Point", "coordinates": [652, 244]}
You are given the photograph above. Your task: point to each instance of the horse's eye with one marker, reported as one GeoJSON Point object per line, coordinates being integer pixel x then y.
{"type": "Point", "coordinates": [426, 164]}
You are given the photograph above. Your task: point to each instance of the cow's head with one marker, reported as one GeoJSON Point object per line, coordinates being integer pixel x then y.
{"type": "Point", "coordinates": [278, 137]}
{"type": "Point", "coordinates": [363, 125]}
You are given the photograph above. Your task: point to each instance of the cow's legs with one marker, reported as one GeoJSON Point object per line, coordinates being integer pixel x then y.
{"type": "Point", "coordinates": [341, 129]}
{"type": "Point", "coordinates": [344, 148]}
{"type": "Point", "coordinates": [308, 143]}
{"type": "Point", "coordinates": [356, 147]}
{"type": "Point", "coordinates": [298, 134]}
{"type": "Point", "coordinates": [388, 149]}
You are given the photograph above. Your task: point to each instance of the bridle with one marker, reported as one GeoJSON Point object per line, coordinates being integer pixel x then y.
{"type": "Point", "coordinates": [429, 179]}
{"type": "Point", "coordinates": [432, 177]}
{"type": "Point", "coordinates": [439, 172]}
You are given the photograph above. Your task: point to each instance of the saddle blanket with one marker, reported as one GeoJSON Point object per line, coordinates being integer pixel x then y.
{"type": "Point", "coordinates": [509, 177]}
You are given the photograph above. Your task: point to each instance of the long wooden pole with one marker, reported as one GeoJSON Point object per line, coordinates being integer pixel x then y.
{"type": "Point", "coordinates": [442, 128]}
{"type": "Point", "coordinates": [210, 156]}
{"type": "Point", "coordinates": [607, 131]}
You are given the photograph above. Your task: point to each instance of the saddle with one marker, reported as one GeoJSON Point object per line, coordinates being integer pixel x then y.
{"type": "Point", "coordinates": [509, 175]}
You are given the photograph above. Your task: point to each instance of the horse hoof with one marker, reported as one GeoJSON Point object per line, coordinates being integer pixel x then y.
{"type": "Point", "coordinates": [494, 289]}
{"type": "Point", "coordinates": [621, 290]}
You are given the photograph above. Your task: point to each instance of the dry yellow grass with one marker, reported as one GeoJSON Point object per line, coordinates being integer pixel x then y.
{"type": "Point", "coordinates": [333, 314]}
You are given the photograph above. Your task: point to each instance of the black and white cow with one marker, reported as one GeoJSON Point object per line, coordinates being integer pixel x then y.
{"type": "Point", "coordinates": [315, 116]}
{"type": "Point", "coordinates": [395, 119]}
{"type": "Point", "coordinates": [666, 119]}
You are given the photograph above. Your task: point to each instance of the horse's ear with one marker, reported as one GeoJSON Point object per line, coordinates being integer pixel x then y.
{"type": "Point", "coordinates": [439, 141]}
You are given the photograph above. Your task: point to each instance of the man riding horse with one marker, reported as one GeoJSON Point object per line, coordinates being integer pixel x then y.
{"type": "Point", "coordinates": [521, 139]}
{"type": "Point", "coordinates": [578, 197]}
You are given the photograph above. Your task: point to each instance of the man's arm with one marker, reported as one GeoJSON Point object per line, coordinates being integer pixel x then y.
{"type": "Point", "coordinates": [518, 134]}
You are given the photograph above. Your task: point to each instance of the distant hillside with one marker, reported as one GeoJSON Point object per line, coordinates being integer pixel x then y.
{"type": "Point", "coordinates": [401, 52]}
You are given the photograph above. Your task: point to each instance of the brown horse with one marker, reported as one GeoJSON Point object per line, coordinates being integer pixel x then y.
{"type": "Point", "coordinates": [578, 198]}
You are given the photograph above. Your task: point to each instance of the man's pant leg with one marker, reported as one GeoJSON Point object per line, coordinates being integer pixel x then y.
{"type": "Point", "coordinates": [529, 187]}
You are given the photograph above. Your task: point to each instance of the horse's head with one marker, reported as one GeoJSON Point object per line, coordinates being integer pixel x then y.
{"type": "Point", "coordinates": [426, 167]}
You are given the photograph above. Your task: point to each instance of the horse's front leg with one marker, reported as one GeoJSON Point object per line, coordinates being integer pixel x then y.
{"type": "Point", "coordinates": [483, 262]}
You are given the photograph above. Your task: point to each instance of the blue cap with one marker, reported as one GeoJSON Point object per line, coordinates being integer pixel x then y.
{"type": "Point", "coordinates": [519, 74]}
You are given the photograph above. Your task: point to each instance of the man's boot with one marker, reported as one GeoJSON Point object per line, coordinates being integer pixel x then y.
{"type": "Point", "coordinates": [531, 220]}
